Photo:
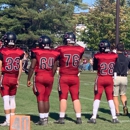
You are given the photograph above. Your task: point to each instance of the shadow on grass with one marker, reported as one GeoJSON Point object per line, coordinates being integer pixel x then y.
{"type": "Point", "coordinates": [104, 119]}
{"type": "Point", "coordinates": [55, 116]}
{"type": "Point", "coordinates": [34, 118]}
{"type": "Point", "coordinates": [103, 110]}
{"type": "Point", "coordinates": [2, 119]}
{"type": "Point", "coordinates": [108, 112]}
{"type": "Point", "coordinates": [87, 116]}
{"type": "Point", "coordinates": [52, 115]}
{"type": "Point", "coordinates": [69, 118]}
{"type": "Point", "coordinates": [129, 115]}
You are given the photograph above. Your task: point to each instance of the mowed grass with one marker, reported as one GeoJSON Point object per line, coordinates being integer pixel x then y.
{"type": "Point", "coordinates": [27, 105]}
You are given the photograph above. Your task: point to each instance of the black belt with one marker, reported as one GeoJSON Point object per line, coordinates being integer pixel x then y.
{"type": "Point", "coordinates": [122, 75]}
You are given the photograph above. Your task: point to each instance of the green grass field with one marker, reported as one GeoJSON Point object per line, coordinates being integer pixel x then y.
{"type": "Point", "coordinates": [27, 105]}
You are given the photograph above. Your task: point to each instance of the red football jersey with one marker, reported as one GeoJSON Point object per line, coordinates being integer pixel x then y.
{"type": "Point", "coordinates": [69, 59]}
{"type": "Point", "coordinates": [104, 63]}
{"type": "Point", "coordinates": [45, 60]}
{"type": "Point", "coordinates": [10, 58]}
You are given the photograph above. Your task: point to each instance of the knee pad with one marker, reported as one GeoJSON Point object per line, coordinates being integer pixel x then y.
{"type": "Point", "coordinates": [12, 102]}
{"type": "Point", "coordinates": [6, 102]}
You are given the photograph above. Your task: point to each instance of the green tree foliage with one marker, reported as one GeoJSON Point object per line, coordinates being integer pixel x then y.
{"type": "Point", "coordinates": [100, 23]}
{"type": "Point", "coordinates": [30, 19]}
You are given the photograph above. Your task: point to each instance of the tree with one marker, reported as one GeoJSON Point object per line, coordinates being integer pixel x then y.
{"type": "Point", "coordinates": [100, 23]}
{"type": "Point", "coordinates": [30, 19]}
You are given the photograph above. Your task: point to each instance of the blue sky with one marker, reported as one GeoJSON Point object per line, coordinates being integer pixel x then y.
{"type": "Point", "coordinates": [89, 2]}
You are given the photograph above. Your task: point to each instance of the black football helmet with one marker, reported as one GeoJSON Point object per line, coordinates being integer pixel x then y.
{"type": "Point", "coordinates": [9, 39]}
{"type": "Point", "coordinates": [35, 44]}
{"type": "Point", "coordinates": [69, 37]}
{"type": "Point", "coordinates": [44, 41]}
{"type": "Point", "coordinates": [104, 46]}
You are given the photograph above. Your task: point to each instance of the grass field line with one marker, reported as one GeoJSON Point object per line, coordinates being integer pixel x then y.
{"type": "Point", "coordinates": [70, 112]}
{"type": "Point", "coordinates": [92, 83]}
{"type": "Point", "coordinates": [90, 99]}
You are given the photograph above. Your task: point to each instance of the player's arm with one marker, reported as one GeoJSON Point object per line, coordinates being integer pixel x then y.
{"type": "Point", "coordinates": [54, 69]}
{"type": "Point", "coordinates": [31, 69]}
{"type": "Point", "coordinates": [115, 68]}
{"type": "Point", "coordinates": [56, 65]}
{"type": "Point", "coordinates": [95, 64]}
{"type": "Point", "coordinates": [20, 69]}
{"type": "Point", "coordinates": [20, 66]}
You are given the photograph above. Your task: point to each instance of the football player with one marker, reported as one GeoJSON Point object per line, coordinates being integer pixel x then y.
{"type": "Point", "coordinates": [35, 47]}
{"type": "Point", "coordinates": [11, 69]}
{"type": "Point", "coordinates": [70, 56]}
{"type": "Point", "coordinates": [42, 62]}
{"type": "Point", "coordinates": [104, 62]}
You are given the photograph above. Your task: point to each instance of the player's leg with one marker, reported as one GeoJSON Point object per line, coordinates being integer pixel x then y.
{"type": "Point", "coordinates": [96, 105]}
{"type": "Point", "coordinates": [77, 108]}
{"type": "Point", "coordinates": [98, 90]}
{"type": "Point", "coordinates": [46, 110]}
{"type": "Point", "coordinates": [5, 96]}
{"type": "Point", "coordinates": [74, 91]}
{"type": "Point", "coordinates": [48, 89]}
{"type": "Point", "coordinates": [40, 105]}
{"type": "Point", "coordinates": [116, 91]}
{"type": "Point", "coordinates": [6, 110]}
{"type": "Point", "coordinates": [12, 93]}
{"type": "Point", "coordinates": [39, 90]}
{"type": "Point", "coordinates": [12, 104]}
{"type": "Point", "coordinates": [63, 95]}
{"type": "Point", "coordinates": [124, 100]}
{"type": "Point", "coordinates": [123, 96]}
{"type": "Point", "coordinates": [63, 107]}
{"type": "Point", "coordinates": [124, 103]}
{"type": "Point", "coordinates": [116, 100]}
{"type": "Point", "coordinates": [109, 96]}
